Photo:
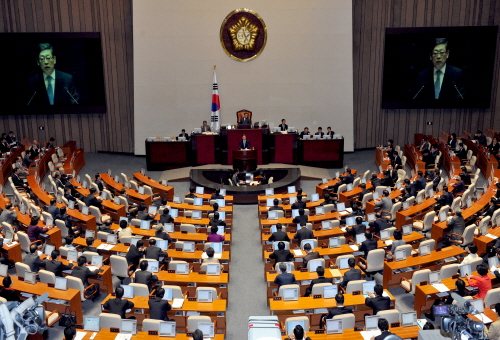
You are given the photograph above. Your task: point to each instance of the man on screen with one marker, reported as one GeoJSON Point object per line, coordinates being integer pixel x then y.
{"type": "Point", "coordinates": [441, 81]}
{"type": "Point", "coordinates": [50, 87]}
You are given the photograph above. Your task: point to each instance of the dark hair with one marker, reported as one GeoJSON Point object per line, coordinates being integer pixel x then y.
{"type": "Point", "coordinates": [165, 211]}
{"type": "Point", "coordinates": [123, 224]}
{"type": "Point", "coordinates": [191, 190]}
{"type": "Point", "coordinates": [62, 210]}
{"type": "Point", "coordinates": [473, 248]}
{"type": "Point", "coordinates": [282, 267]}
{"type": "Point", "coordinates": [139, 243]}
{"type": "Point", "coordinates": [440, 41]}
{"type": "Point", "coordinates": [460, 284]}
{"type": "Point", "coordinates": [482, 269]}
{"type": "Point", "coordinates": [298, 331]}
{"type": "Point", "coordinates": [54, 254]}
{"type": "Point", "coordinates": [379, 289]}
{"type": "Point", "coordinates": [7, 281]}
{"type": "Point", "coordinates": [210, 252]}
{"type": "Point", "coordinates": [119, 292]}
{"type": "Point", "coordinates": [397, 234]}
{"type": "Point", "coordinates": [351, 262]}
{"type": "Point", "coordinates": [359, 220]}
{"type": "Point", "coordinates": [383, 324]}
{"type": "Point", "coordinates": [279, 226]}
{"type": "Point", "coordinates": [497, 307]}
{"type": "Point", "coordinates": [281, 245]}
{"type": "Point", "coordinates": [69, 332]}
{"type": "Point", "coordinates": [33, 248]}
{"type": "Point", "coordinates": [320, 270]}
{"type": "Point", "coordinates": [141, 207]}
{"type": "Point", "coordinates": [214, 229]}
{"type": "Point", "coordinates": [307, 246]}
{"type": "Point", "coordinates": [89, 241]}
{"type": "Point", "coordinates": [152, 242]}
{"type": "Point", "coordinates": [276, 201]}
{"type": "Point", "coordinates": [339, 298]}
{"type": "Point", "coordinates": [81, 261]}
{"type": "Point", "coordinates": [143, 265]}
{"type": "Point", "coordinates": [368, 235]}
{"type": "Point", "coordinates": [301, 212]}
{"type": "Point", "coordinates": [45, 46]}
{"type": "Point", "coordinates": [160, 292]}
{"type": "Point", "coordinates": [34, 220]}
{"type": "Point", "coordinates": [216, 216]}
{"type": "Point", "coordinates": [299, 197]}
{"type": "Point", "coordinates": [197, 335]}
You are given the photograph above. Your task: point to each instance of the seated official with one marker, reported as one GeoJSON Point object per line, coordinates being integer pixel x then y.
{"type": "Point", "coordinates": [8, 215]}
{"type": "Point", "coordinates": [33, 260]}
{"type": "Point", "coordinates": [214, 237]}
{"type": "Point", "coordinates": [329, 132]}
{"type": "Point", "coordinates": [328, 199]}
{"type": "Point", "coordinates": [144, 276]}
{"type": "Point", "coordinates": [320, 132]}
{"type": "Point", "coordinates": [210, 257]}
{"type": "Point", "coordinates": [303, 233]}
{"type": "Point", "coordinates": [383, 325]}
{"type": "Point", "coordinates": [7, 292]}
{"type": "Point", "coordinates": [89, 241]}
{"type": "Point", "coordinates": [379, 224]}
{"type": "Point", "coordinates": [284, 278]}
{"type": "Point", "coordinates": [376, 301]}
{"type": "Point", "coordinates": [340, 309]}
{"type": "Point", "coordinates": [280, 255]}
{"type": "Point", "coordinates": [205, 127]}
{"type": "Point", "coordinates": [92, 199]}
{"type": "Point", "coordinates": [283, 126]}
{"type": "Point", "coordinates": [460, 289]}
{"type": "Point", "coordinates": [279, 234]}
{"type": "Point", "coordinates": [263, 178]}
{"type": "Point", "coordinates": [301, 217]}
{"type": "Point", "coordinates": [183, 134]}
{"type": "Point", "coordinates": [118, 305]}
{"type": "Point", "coordinates": [124, 230]}
{"type": "Point", "coordinates": [398, 237]}
{"type": "Point", "coordinates": [276, 206]}
{"type": "Point", "coordinates": [384, 203]}
{"type": "Point", "coordinates": [387, 180]}
{"type": "Point", "coordinates": [83, 273]}
{"type": "Point", "coordinates": [320, 270]}
{"type": "Point", "coordinates": [347, 179]}
{"type": "Point", "coordinates": [352, 274]}
{"type": "Point", "coordinates": [481, 281]}
{"type": "Point", "coordinates": [55, 266]}
{"type": "Point", "coordinates": [245, 119]}
{"type": "Point", "coordinates": [299, 204]}
{"type": "Point", "coordinates": [99, 182]}
{"type": "Point", "coordinates": [455, 225]}
{"type": "Point", "coordinates": [216, 221]}
{"type": "Point", "coordinates": [244, 143]}
{"type": "Point", "coordinates": [142, 213]}
{"type": "Point", "coordinates": [52, 209]}
{"type": "Point", "coordinates": [310, 254]}
{"type": "Point", "coordinates": [375, 181]}
{"type": "Point", "coordinates": [368, 244]}
{"type": "Point", "coordinates": [299, 333]}
{"type": "Point", "coordinates": [472, 256]}
{"type": "Point", "coordinates": [358, 228]}
{"type": "Point", "coordinates": [165, 217]}
{"type": "Point", "coordinates": [305, 132]}
{"type": "Point", "coordinates": [494, 330]}
{"type": "Point", "coordinates": [217, 195]}
{"type": "Point", "coordinates": [27, 160]}
{"type": "Point", "coordinates": [159, 233]}
{"type": "Point", "coordinates": [73, 230]}
{"type": "Point", "coordinates": [107, 227]}
{"type": "Point", "coordinates": [191, 194]}
{"type": "Point", "coordinates": [154, 252]}
{"type": "Point", "coordinates": [158, 307]}
{"type": "Point", "coordinates": [135, 253]}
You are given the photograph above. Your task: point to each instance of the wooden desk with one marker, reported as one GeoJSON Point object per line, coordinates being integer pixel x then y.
{"type": "Point", "coordinates": [381, 158]}
{"type": "Point", "coordinates": [177, 235]}
{"type": "Point", "coordinates": [415, 212]}
{"type": "Point", "coordinates": [187, 220]}
{"type": "Point", "coordinates": [413, 157]}
{"type": "Point", "coordinates": [117, 187]}
{"type": "Point", "coordinates": [167, 155]}
{"type": "Point", "coordinates": [329, 151]}
{"type": "Point", "coordinates": [105, 334]}
{"type": "Point", "coordinates": [311, 219]}
{"type": "Point", "coordinates": [194, 256]}
{"type": "Point", "coordinates": [75, 160]}
{"type": "Point", "coordinates": [488, 312]}
{"type": "Point", "coordinates": [41, 165]}
{"type": "Point", "coordinates": [370, 205]}
{"type": "Point", "coordinates": [13, 252]}
{"type": "Point", "coordinates": [392, 279]}
{"type": "Point", "coordinates": [320, 188]}
{"type": "Point", "coordinates": [351, 334]}
{"type": "Point", "coordinates": [6, 169]}
{"type": "Point", "coordinates": [483, 162]}
{"type": "Point", "coordinates": [163, 190]}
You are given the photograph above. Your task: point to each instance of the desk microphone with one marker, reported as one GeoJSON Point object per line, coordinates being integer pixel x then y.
{"type": "Point", "coordinates": [66, 89]}
{"type": "Point", "coordinates": [419, 92]}
{"type": "Point", "coordinates": [456, 88]}
{"type": "Point", "coordinates": [29, 102]}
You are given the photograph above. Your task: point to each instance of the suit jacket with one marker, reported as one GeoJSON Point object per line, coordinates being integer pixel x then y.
{"type": "Point", "coordinates": [279, 236]}
{"type": "Point", "coordinates": [494, 331]}
{"type": "Point", "coordinates": [185, 135]}
{"type": "Point", "coordinates": [385, 203]}
{"type": "Point", "coordinates": [205, 128]}
{"type": "Point", "coordinates": [91, 249]}
{"type": "Point", "coordinates": [456, 225]}
{"type": "Point", "coordinates": [83, 273]}
{"type": "Point", "coordinates": [379, 224]}
{"type": "Point", "coordinates": [461, 153]}
{"type": "Point", "coordinates": [303, 234]}
{"type": "Point", "coordinates": [281, 256]}
{"type": "Point", "coordinates": [368, 245]}
{"type": "Point", "coordinates": [299, 205]}
{"type": "Point", "coordinates": [420, 184]}
{"type": "Point", "coordinates": [145, 277]}
{"type": "Point", "coordinates": [276, 208]}
{"type": "Point", "coordinates": [357, 229]}
{"type": "Point", "coordinates": [34, 262]}
{"type": "Point", "coordinates": [10, 294]}
{"type": "Point", "coordinates": [311, 256]}
{"type": "Point", "coordinates": [166, 219]}
{"type": "Point", "coordinates": [320, 279]}
{"type": "Point", "coordinates": [452, 77]}
{"type": "Point", "coordinates": [283, 127]}
{"type": "Point", "coordinates": [56, 267]}
{"type": "Point", "coordinates": [338, 311]}
{"type": "Point", "coordinates": [320, 134]}
{"type": "Point", "coordinates": [18, 182]}
{"type": "Point", "coordinates": [245, 121]}
{"type": "Point", "coordinates": [383, 335]}
{"type": "Point", "coordinates": [378, 303]}
{"type": "Point", "coordinates": [53, 210]}
{"type": "Point", "coordinates": [245, 144]}
{"type": "Point", "coordinates": [158, 309]}
{"type": "Point", "coordinates": [351, 275]}
{"type": "Point", "coordinates": [155, 253]}
{"type": "Point", "coordinates": [300, 218]}
{"type": "Point", "coordinates": [134, 255]}
{"type": "Point", "coordinates": [446, 198]}
{"type": "Point", "coordinates": [284, 279]}
{"type": "Point", "coordinates": [91, 200]}
{"type": "Point", "coordinates": [61, 97]}
{"type": "Point", "coordinates": [387, 181]}
{"type": "Point", "coordinates": [144, 216]}
{"type": "Point", "coordinates": [118, 306]}
{"type": "Point", "coordinates": [397, 163]}
{"type": "Point", "coordinates": [375, 182]}
{"type": "Point", "coordinates": [8, 216]}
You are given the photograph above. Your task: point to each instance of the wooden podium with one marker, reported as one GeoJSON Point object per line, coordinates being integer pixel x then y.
{"type": "Point", "coordinates": [245, 160]}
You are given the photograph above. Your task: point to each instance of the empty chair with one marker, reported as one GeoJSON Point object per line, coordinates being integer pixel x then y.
{"type": "Point", "coordinates": [411, 200]}
{"type": "Point", "coordinates": [305, 319]}
{"type": "Point", "coordinates": [356, 182]}
{"type": "Point", "coordinates": [367, 175]}
{"type": "Point", "coordinates": [470, 165]}
{"type": "Point", "coordinates": [133, 185]}
{"type": "Point", "coordinates": [492, 297]}
{"type": "Point", "coordinates": [63, 251]}
{"type": "Point", "coordinates": [366, 198]}
{"type": "Point", "coordinates": [76, 283]}
{"type": "Point", "coordinates": [188, 200]}
{"type": "Point", "coordinates": [135, 222]}
{"type": "Point", "coordinates": [425, 225]}
{"type": "Point", "coordinates": [466, 238]}
{"type": "Point", "coordinates": [374, 262]}
{"type": "Point", "coordinates": [348, 320]}
{"type": "Point", "coordinates": [109, 320]}
{"type": "Point", "coordinates": [280, 290]}
{"type": "Point", "coordinates": [46, 276]}
{"type": "Point", "coordinates": [100, 218]}
{"type": "Point", "coordinates": [62, 226]}
{"type": "Point", "coordinates": [189, 228]}
{"type": "Point", "coordinates": [341, 188]}
{"type": "Point", "coordinates": [150, 325]}
{"type": "Point", "coordinates": [401, 174]}
{"type": "Point", "coordinates": [123, 178]}
{"type": "Point", "coordinates": [119, 267]}
{"type": "Point", "coordinates": [193, 320]}
{"type": "Point", "coordinates": [428, 189]}
{"type": "Point", "coordinates": [431, 243]}
{"type": "Point", "coordinates": [448, 270]}
{"type": "Point", "coordinates": [407, 248]}
{"type": "Point", "coordinates": [173, 264]}
{"type": "Point", "coordinates": [354, 286]}
{"type": "Point", "coordinates": [101, 235]}
{"type": "Point", "coordinates": [21, 269]}
{"type": "Point", "coordinates": [456, 204]}
{"type": "Point", "coordinates": [391, 315]}
{"type": "Point", "coordinates": [417, 277]}
{"type": "Point", "coordinates": [380, 190]}
{"type": "Point", "coordinates": [140, 289]}
{"type": "Point", "coordinates": [395, 208]}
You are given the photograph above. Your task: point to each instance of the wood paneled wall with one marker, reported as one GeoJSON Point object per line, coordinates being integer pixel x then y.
{"type": "Point", "coordinates": [112, 131]}
{"type": "Point", "coordinates": [373, 125]}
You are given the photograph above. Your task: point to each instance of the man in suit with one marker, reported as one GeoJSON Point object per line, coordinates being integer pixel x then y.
{"type": "Point", "coordinates": [310, 254]}
{"type": "Point", "coordinates": [459, 186]}
{"type": "Point", "coordinates": [83, 273]}
{"type": "Point", "coordinates": [299, 204]}
{"type": "Point", "coordinates": [424, 144]}
{"type": "Point", "coordinates": [142, 214]}
{"type": "Point", "coordinates": [352, 274]}
{"type": "Point", "coordinates": [9, 214]}
{"type": "Point", "coordinates": [52, 209]}
{"type": "Point", "coordinates": [480, 137]}
{"type": "Point", "coordinates": [420, 182]}
{"type": "Point", "coordinates": [118, 305]}
{"type": "Point", "coordinates": [383, 325]}
{"type": "Point", "coordinates": [427, 158]}
{"type": "Point", "coordinates": [281, 255]}
{"type": "Point", "coordinates": [376, 301]}
{"type": "Point", "coordinates": [235, 177]}
{"type": "Point", "coordinates": [396, 161]}
{"type": "Point", "coordinates": [158, 307]}
{"type": "Point", "coordinates": [387, 180]}
{"type": "Point", "coordinates": [301, 217]}
{"type": "Point", "coordinates": [72, 230]}
{"type": "Point", "coordinates": [135, 253]}
{"type": "Point", "coordinates": [33, 260]}
{"type": "Point", "coordinates": [393, 174]}
{"type": "Point", "coordinates": [364, 191]}
{"type": "Point", "coordinates": [68, 195]}
{"type": "Point", "coordinates": [183, 134]}
{"type": "Point", "coordinates": [159, 233]}
{"type": "Point", "coordinates": [283, 126]}
{"type": "Point", "coordinates": [305, 132]}
{"type": "Point", "coordinates": [4, 146]}
{"type": "Point", "coordinates": [436, 180]}
{"type": "Point", "coordinates": [327, 200]}
{"type": "Point", "coordinates": [445, 199]}
{"type": "Point", "coordinates": [12, 139]}
{"type": "Point", "coordinates": [216, 222]}
{"type": "Point", "coordinates": [385, 202]}
{"type": "Point", "coordinates": [279, 234]}
{"type": "Point", "coordinates": [456, 225]}
{"type": "Point", "coordinates": [245, 119]}
{"type": "Point", "coordinates": [441, 81]}
{"type": "Point", "coordinates": [347, 179]}
{"type": "Point", "coordinates": [320, 132]}
{"type": "Point", "coordinates": [329, 132]}
{"type": "Point", "coordinates": [144, 276]}
{"type": "Point", "coordinates": [340, 309]}
{"type": "Point", "coordinates": [27, 160]}
{"type": "Point", "coordinates": [89, 241]}
{"type": "Point", "coordinates": [460, 152]}
{"type": "Point", "coordinates": [284, 278]}
{"type": "Point", "coordinates": [494, 331]}
{"type": "Point", "coordinates": [303, 233]}
{"type": "Point", "coordinates": [358, 228]}
{"type": "Point", "coordinates": [216, 195]}
{"type": "Point", "coordinates": [205, 127]}
{"type": "Point", "coordinates": [321, 279]}
{"type": "Point", "coordinates": [54, 266]}
{"type": "Point", "coordinates": [368, 244]}
{"type": "Point", "coordinates": [92, 199]}
{"type": "Point", "coordinates": [154, 252]}
{"type": "Point", "coordinates": [276, 206]}
{"type": "Point", "coordinates": [50, 87]}
{"type": "Point", "coordinates": [244, 143]}
{"type": "Point", "coordinates": [16, 179]}
{"type": "Point", "coordinates": [165, 217]}
{"type": "Point", "coordinates": [379, 224]}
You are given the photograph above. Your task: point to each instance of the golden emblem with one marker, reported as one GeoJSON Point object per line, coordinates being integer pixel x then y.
{"type": "Point", "coordinates": [243, 35]}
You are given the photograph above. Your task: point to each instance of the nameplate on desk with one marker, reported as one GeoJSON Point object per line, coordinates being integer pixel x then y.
{"type": "Point", "coordinates": [171, 271]}
{"type": "Point", "coordinates": [64, 257]}
{"type": "Point", "coordinates": [178, 249]}
{"type": "Point", "coordinates": [152, 297]}
{"type": "Point", "coordinates": [113, 294]}
{"type": "Point", "coordinates": [324, 246]}
{"type": "Point", "coordinates": [356, 292]}
{"type": "Point", "coordinates": [302, 270]}
{"type": "Point", "coordinates": [79, 326]}
{"type": "Point", "coordinates": [438, 249]}
{"type": "Point", "coordinates": [267, 233]}
{"type": "Point", "coordinates": [335, 267]}
{"type": "Point", "coordinates": [293, 232]}
{"type": "Point", "coordinates": [114, 330]}
{"type": "Point", "coordinates": [424, 283]}
{"type": "Point", "coordinates": [152, 332]}
{"type": "Point", "coordinates": [395, 324]}
{"type": "Point", "coordinates": [269, 250]}
{"type": "Point", "coordinates": [358, 328]}
{"type": "Point", "coordinates": [20, 278]}
{"type": "Point", "coordinates": [202, 272]}
{"type": "Point", "coordinates": [276, 298]}
{"type": "Point", "coordinates": [390, 260]}
{"type": "Point", "coordinates": [50, 285]}
{"type": "Point", "coordinates": [319, 331]}
{"type": "Point", "coordinates": [317, 296]}
{"type": "Point", "coordinates": [189, 334]}
{"type": "Point", "coordinates": [126, 244]}
{"type": "Point", "coordinates": [318, 229]}
{"type": "Point", "coordinates": [272, 272]}
{"type": "Point", "coordinates": [414, 255]}
{"type": "Point", "coordinates": [456, 276]}
{"type": "Point", "coordinates": [283, 333]}
{"type": "Point", "coordinates": [184, 232]}
{"type": "Point", "coordinates": [192, 299]}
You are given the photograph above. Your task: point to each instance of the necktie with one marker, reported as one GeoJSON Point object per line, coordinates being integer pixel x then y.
{"type": "Point", "coordinates": [50, 91]}
{"type": "Point", "coordinates": [437, 84]}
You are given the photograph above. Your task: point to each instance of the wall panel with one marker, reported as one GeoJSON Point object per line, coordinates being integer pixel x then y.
{"type": "Point", "coordinates": [373, 125]}
{"type": "Point", "coordinates": [112, 131]}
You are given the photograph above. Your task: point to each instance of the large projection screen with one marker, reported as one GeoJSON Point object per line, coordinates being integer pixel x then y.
{"type": "Point", "coordinates": [304, 74]}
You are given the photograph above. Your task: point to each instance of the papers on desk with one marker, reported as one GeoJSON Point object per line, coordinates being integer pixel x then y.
{"type": "Point", "coordinates": [80, 335]}
{"type": "Point", "coordinates": [92, 268]}
{"type": "Point", "coordinates": [449, 259]}
{"type": "Point", "coordinates": [493, 268]}
{"type": "Point", "coordinates": [421, 323]}
{"type": "Point", "coordinates": [11, 244]}
{"type": "Point", "coordinates": [388, 242]}
{"type": "Point", "coordinates": [105, 246]}
{"type": "Point", "coordinates": [216, 255]}
{"type": "Point", "coordinates": [335, 273]}
{"type": "Point", "coordinates": [192, 313]}
{"type": "Point", "coordinates": [385, 294]}
{"type": "Point", "coordinates": [354, 247]}
{"type": "Point", "coordinates": [349, 210]}
{"type": "Point", "coordinates": [297, 252]}
{"type": "Point", "coordinates": [344, 229]}
{"type": "Point", "coordinates": [121, 336]}
{"type": "Point", "coordinates": [441, 287]}
{"type": "Point", "coordinates": [320, 311]}
{"type": "Point", "coordinates": [343, 213]}
{"type": "Point", "coordinates": [367, 335]}
{"type": "Point", "coordinates": [177, 303]}
{"type": "Point", "coordinates": [491, 236]}
{"type": "Point", "coordinates": [483, 318]}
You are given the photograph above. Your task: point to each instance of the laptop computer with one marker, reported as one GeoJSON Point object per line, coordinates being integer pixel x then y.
{"type": "Point", "coordinates": [360, 238]}
{"type": "Point", "coordinates": [128, 291]}
{"type": "Point", "coordinates": [128, 326]}
{"type": "Point", "coordinates": [61, 283]}
{"type": "Point", "coordinates": [334, 326]}
{"type": "Point", "coordinates": [385, 235]}
{"type": "Point", "coordinates": [292, 189]}
{"type": "Point", "coordinates": [291, 294]}
{"type": "Point", "coordinates": [409, 319]}
{"type": "Point", "coordinates": [465, 270]}
{"type": "Point", "coordinates": [167, 329]}
{"type": "Point", "coordinates": [334, 242]}
{"type": "Point", "coordinates": [204, 295]}
{"type": "Point", "coordinates": [221, 202]}
{"type": "Point", "coordinates": [96, 260]}
{"type": "Point", "coordinates": [91, 324]}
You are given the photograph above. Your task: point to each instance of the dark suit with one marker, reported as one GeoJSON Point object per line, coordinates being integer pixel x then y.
{"type": "Point", "coordinates": [91, 200]}
{"type": "Point", "coordinates": [446, 199]}
{"type": "Point", "coordinates": [279, 236]}
{"type": "Point", "coordinates": [461, 153]}
{"type": "Point", "coordinates": [311, 256]}
{"type": "Point", "coordinates": [118, 306]}
{"type": "Point", "coordinates": [153, 252]}
{"type": "Point", "coordinates": [158, 309]}
{"type": "Point", "coordinates": [10, 294]}
{"type": "Point", "coordinates": [300, 218]}
{"type": "Point", "coordinates": [299, 205]}
{"type": "Point", "coordinates": [378, 303]}
{"type": "Point", "coordinates": [379, 224]}
{"type": "Point", "coordinates": [303, 234]}
{"type": "Point", "coordinates": [320, 134]}
{"type": "Point", "coordinates": [276, 208]}
{"type": "Point", "coordinates": [245, 144]}
{"type": "Point", "coordinates": [166, 219]}
{"type": "Point", "coordinates": [456, 225]}
{"type": "Point", "coordinates": [338, 311]}
{"type": "Point", "coordinates": [357, 229]}
{"type": "Point", "coordinates": [185, 135]}
{"type": "Point", "coordinates": [83, 273]}
{"type": "Point", "coordinates": [145, 277]}
{"type": "Point", "coordinates": [53, 210]}
{"type": "Point", "coordinates": [351, 275]}
{"type": "Point", "coordinates": [397, 163]}
{"type": "Point", "coordinates": [245, 121]}
{"type": "Point", "coordinates": [283, 127]}
{"type": "Point", "coordinates": [368, 245]}
{"type": "Point", "coordinates": [284, 279]}
{"type": "Point", "coordinates": [144, 216]}
{"type": "Point", "coordinates": [452, 77]}
{"type": "Point", "coordinates": [420, 184]}
{"type": "Point", "coordinates": [18, 182]}
{"type": "Point", "coordinates": [134, 255]}
{"type": "Point", "coordinates": [34, 262]}
{"type": "Point", "coordinates": [383, 335]}
{"type": "Point", "coordinates": [61, 97]}
{"type": "Point", "coordinates": [56, 267]}
{"type": "Point", "coordinates": [281, 256]}
{"type": "Point", "coordinates": [320, 279]}
{"type": "Point", "coordinates": [163, 235]}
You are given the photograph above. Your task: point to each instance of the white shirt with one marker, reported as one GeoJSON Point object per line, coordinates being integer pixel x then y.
{"type": "Point", "coordinates": [468, 259]}
{"type": "Point", "coordinates": [53, 81]}
{"type": "Point", "coordinates": [443, 70]}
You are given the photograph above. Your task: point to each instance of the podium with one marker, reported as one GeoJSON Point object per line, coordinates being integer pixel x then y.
{"type": "Point", "coordinates": [245, 160]}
